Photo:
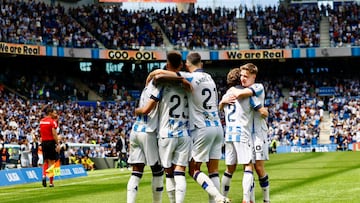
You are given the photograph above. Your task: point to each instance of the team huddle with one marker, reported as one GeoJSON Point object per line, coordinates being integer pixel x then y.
{"type": "Point", "coordinates": [178, 118]}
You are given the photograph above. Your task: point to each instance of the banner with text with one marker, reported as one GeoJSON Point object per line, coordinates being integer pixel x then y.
{"type": "Point", "coordinates": [22, 49]}
{"type": "Point", "coordinates": [255, 54]}
{"type": "Point", "coordinates": [160, 55]}
{"type": "Point", "coordinates": [29, 175]}
{"type": "Point", "coordinates": [307, 148]}
{"type": "Point", "coordinates": [326, 91]}
{"type": "Point", "coordinates": [133, 55]}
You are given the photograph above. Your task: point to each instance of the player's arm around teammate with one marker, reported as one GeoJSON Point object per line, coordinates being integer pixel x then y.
{"type": "Point", "coordinates": [248, 75]}
{"type": "Point", "coordinates": [143, 145]}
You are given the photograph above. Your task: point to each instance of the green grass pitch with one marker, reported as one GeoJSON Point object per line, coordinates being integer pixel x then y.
{"type": "Point", "coordinates": [294, 178]}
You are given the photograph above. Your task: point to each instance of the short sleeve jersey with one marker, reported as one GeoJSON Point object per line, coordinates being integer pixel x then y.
{"type": "Point", "coordinates": [147, 123]}
{"type": "Point", "coordinates": [239, 118]}
{"type": "Point", "coordinates": [259, 122]}
{"type": "Point", "coordinates": [203, 101]}
{"type": "Point", "coordinates": [46, 126]}
{"type": "Point", "coordinates": [174, 111]}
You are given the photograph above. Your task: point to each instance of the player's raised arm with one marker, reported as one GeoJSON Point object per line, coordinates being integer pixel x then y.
{"type": "Point", "coordinates": [174, 79]}
{"type": "Point", "coordinates": [157, 72]}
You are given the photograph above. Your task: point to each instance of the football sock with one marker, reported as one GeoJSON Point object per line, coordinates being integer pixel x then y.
{"type": "Point", "coordinates": [247, 183]}
{"type": "Point", "coordinates": [252, 196]}
{"type": "Point", "coordinates": [225, 183]}
{"type": "Point", "coordinates": [132, 186]}
{"type": "Point", "coordinates": [170, 187]}
{"type": "Point", "coordinates": [214, 177]}
{"type": "Point", "coordinates": [45, 167]}
{"type": "Point", "coordinates": [206, 183]}
{"type": "Point", "coordinates": [180, 187]}
{"type": "Point", "coordinates": [265, 186]}
{"type": "Point", "coordinates": [157, 185]}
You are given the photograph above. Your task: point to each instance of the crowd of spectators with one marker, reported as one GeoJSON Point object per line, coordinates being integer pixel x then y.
{"type": "Point", "coordinates": [102, 124]}
{"type": "Point", "coordinates": [200, 28]}
{"type": "Point", "coordinates": [38, 23]}
{"type": "Point", "coordinates": [123, 29]}
{"type": "Point", "coordinates": [89, 26]}
{"type": "Point", "coordinates": [344, 24]}
{"type": "Point", "coordinates": [295, 119]}
{"type": "Point", "coordinates": [295, 26]}
{"type": "Point", "coordinates": [119, 28]}
{"type": "Point", "coordinates": [345, 127]}
{"type": "Point", "coordinates": [345, 119]}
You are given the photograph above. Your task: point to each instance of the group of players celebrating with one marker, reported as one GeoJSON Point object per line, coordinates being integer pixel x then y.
{"type": "Point", "coordinates": [178, 126]}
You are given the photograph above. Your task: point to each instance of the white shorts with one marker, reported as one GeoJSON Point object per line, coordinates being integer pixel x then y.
{"type": "Point", "coordinates": [174, 150]}
{"type": "Point", "coordinates": [207, 143]}
{"type": "Point", "coordinates": [143, 148]}
{"type": "Point", "coordinates": [239, 153]}
{"type": "Point", "coordinates": [261, 147]}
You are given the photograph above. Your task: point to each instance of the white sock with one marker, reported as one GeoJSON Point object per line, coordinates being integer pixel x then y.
{"type": "Point", "coordinates": [180, 188]}
{"type": "Point", "coordinates": [132, 186]}
{"type": "Point", "coordinates": [252, 196]}
{"type": "Point", "coordinates": [206, 183]}
{"type": "Point", "coordinates": [247, 184]}
{"type": "Point", "coordinates": [265, 186]}
{"type": "Point", "coordinates": [157, 188]}
{"type": "Point", "coordinates": [170, 187]}
{"type": "Point", "coordinates": [225, 183]}
{"type": "Point", "coordinates": [214, 177]}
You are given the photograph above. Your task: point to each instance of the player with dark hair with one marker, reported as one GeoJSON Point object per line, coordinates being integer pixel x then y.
{"type": "Point", "coordinates": [174, 140]}
{"type": "Point", "coordinates": [49, 141]}
{"type": "Point", "coordinates": [205, 126]}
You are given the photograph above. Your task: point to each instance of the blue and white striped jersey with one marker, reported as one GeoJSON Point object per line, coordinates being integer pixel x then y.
{"type": "Point", "coordinates": [173, 112]}
{"type": "Point", "coordinates": [147, 123]}
{"type": "Point", "coordinates": [203, 101]}
{"type": "Point", "coordinates": [260, 125]}
{"type": "Point", "coordinates": [239, 118]}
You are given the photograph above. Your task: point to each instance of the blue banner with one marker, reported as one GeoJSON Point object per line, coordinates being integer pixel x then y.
{"type": "Point", "coordinates": [11, 177]}
{"type": "Point", "coordinates": [326, 91]}
{"type": "Point", "coordinates": [307, 148]}
{"type": "Point", "coordinates": [29, 175]}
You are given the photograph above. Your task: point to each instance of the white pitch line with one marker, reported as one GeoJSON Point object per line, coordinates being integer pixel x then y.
{"type": "Point", "coordinates": [73, 183]}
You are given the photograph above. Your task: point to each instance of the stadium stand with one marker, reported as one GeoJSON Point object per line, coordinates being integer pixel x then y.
{"type": "Point", "coordinates": [120, 29]}
{"type": "Point", "coordinates": [283, 27]}
{"type": "Point", "coordinates": [30, 22]}
{"type": "Point", "coordinates": [200, 28]}
{"type": "Point", "coordinates": [297, 111]}
{"type": "Point", "coordinates": [344, 27]}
